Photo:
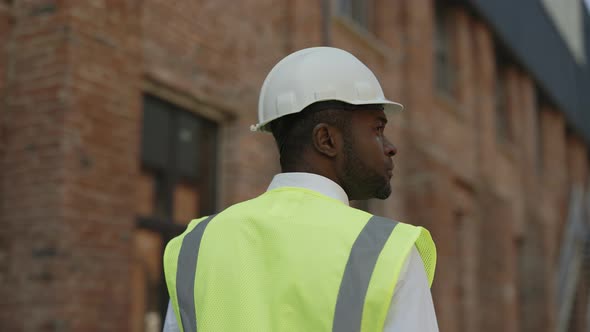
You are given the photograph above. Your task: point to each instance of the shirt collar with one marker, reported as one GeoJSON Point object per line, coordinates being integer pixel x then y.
{"type": "Point", "coordinates": [310, 181]}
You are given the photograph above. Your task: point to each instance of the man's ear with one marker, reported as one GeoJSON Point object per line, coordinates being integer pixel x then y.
{"type": "Point", "coordinates": [326, 139]}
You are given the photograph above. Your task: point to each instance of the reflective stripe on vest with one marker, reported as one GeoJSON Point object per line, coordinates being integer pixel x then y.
{"type": "Point", "coordinates": [353, 287]}
{"type": "Point", "coordinates": [185, 275]}
{"type": "Point", "coordinates": [358, 271]}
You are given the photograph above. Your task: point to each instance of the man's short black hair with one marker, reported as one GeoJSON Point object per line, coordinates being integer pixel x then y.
{"type": "Point", "coordinates": [293, 132]}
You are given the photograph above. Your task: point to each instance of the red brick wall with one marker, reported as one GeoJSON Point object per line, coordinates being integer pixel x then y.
{"type": "Point", "coordinates": [33, 172]}
{"type": "Point", "coordinates": [71, 135]}
{"type": "Point", "coordinates": [101, 153]}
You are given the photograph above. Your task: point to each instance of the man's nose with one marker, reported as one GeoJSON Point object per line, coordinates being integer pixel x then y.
{"type": "Point", "coordinates": [389, 149]}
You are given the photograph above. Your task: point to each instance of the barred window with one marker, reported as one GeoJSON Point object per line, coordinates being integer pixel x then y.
{"type": "Point", "coordinates": [443, 52]}
{"type": "Point", "coordinates": [503, 131]}
{"type": "Point", "coordinates": [359, 11]}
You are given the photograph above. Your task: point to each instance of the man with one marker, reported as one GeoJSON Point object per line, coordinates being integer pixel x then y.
{"type": "Point", "coordinates": [298, 258]}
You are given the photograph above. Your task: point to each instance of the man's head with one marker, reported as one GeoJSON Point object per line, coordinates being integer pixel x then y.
{"type": "Point", "coordinates": [325, 109]}
{"type": "Point", "coordinates": [341, 141]}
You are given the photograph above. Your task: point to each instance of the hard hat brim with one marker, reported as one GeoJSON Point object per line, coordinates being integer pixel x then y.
{"type": "Point", "coordinates": [389, 107]}
{"type": "Point", "coordinates": [392, 107]}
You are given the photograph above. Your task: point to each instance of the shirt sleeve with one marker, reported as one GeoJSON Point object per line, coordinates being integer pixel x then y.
{"type": "Point", "coordinates": [170, 323]}
{"type": "Point", "coordinates": [411, 306]}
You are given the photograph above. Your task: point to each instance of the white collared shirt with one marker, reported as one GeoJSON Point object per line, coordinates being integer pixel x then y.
{"type": "Point", "coordinates": [411, 307]}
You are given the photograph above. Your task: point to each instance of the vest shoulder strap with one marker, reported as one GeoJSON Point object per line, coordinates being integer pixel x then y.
{"type": "Point", "coordinates": [180, 261]}
{"type": "Point", "coordinates": [387, 270]}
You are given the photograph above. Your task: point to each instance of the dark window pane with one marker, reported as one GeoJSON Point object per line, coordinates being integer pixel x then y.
{"type": "Point", "coordinates": [187, 145]}
{"type": "Point", "coordinates": [444, 69]}
{"type": "Point", "coordinates": [502, 119]}
{"type": "Point", "coordinates": [178, 147]}
{"type": "Point", "coordinates": [359, 11]}
{"type": "Point", "coordinates": [155, 139]}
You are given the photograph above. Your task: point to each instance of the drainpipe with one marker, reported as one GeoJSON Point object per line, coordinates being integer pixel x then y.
{"type": "Point", "coordinates": [326, 23]}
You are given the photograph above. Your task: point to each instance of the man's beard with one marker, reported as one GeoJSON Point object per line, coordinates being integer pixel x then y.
{"type": "Point", "coordinates": [359, 180]}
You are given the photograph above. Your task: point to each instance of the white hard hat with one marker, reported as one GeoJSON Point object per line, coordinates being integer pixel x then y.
{"type": "Point", "coordinates": [317, 74]}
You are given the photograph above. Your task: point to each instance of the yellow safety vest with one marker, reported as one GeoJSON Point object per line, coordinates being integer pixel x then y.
{"type": "Point", "coordinates": [289, 260]}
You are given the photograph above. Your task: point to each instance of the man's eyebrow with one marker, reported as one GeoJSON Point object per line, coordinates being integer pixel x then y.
{"type": "Point", "coordinates": [382, 119]}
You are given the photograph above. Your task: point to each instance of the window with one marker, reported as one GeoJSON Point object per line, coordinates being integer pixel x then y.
{"type": "Point", "coordinates": [179, 149]}
{"type": "Point", "coordinates": [443, 52]}
{"type": "Point", "coordinates": [542, 102]}
{"type": "Point", "coordinates": [177, 184]}
{"type": "Point", "coordinates": [539, 155]}
{"type": "Point", "coordinates": [359, 11]}
{"type": "Point", "coordinates": [502, 105]}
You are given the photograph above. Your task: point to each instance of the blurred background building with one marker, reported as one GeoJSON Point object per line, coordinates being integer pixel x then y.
{"type": "Point", "coordinates": [121, 120]}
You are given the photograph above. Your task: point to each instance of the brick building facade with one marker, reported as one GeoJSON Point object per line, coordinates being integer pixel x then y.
{"type": "Point", "coordinates": [486, 162]}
